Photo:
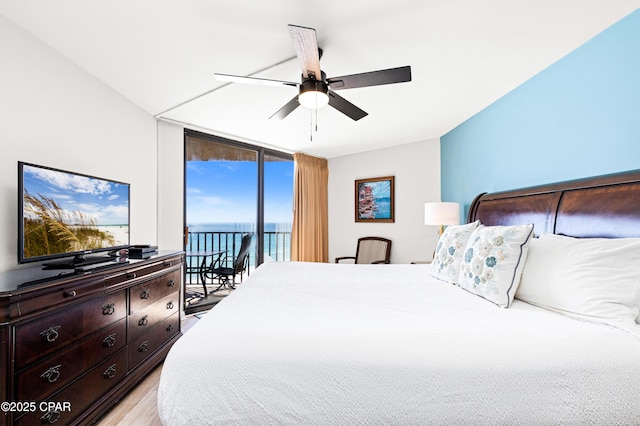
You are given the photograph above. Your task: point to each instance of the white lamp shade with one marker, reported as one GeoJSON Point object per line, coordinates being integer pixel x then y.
{"type": "Point", "coordinates": [441, 213]}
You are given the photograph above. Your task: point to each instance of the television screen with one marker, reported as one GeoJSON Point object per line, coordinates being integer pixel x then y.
{"type": "Point", "coordinates": [66, 214]}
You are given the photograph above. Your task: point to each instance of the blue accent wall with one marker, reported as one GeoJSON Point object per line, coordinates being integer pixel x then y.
{"type": "Point", "coordinates": [579, 117]}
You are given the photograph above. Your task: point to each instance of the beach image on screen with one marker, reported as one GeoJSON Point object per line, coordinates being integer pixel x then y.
{"type": "Point", "coordinates": [66, 213]}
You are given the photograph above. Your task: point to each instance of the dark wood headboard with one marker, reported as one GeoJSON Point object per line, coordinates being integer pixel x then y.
{"type": "Point", "coordinates": [603, 206]}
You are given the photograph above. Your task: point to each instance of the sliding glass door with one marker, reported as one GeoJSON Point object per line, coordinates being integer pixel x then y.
{"type": "Point", "coordinates": [278, 208]}
{"type": "Point", "coordinates": [232, 190]}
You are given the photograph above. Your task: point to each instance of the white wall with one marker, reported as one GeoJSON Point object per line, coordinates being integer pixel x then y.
{"type": "Point", "coordinates": [416, 167]}
{"type": "Point", "coordinates": [170, 186]}
{"type": "Point", "coordinates": [55, 114]}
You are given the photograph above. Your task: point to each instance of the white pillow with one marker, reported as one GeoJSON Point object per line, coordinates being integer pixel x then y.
{"type": "Point", "coordinates": [493, 262]}
{"type": "Point", "coordinates": [595, 279]}
{"type": "Point", "coordinates": [448, 255]}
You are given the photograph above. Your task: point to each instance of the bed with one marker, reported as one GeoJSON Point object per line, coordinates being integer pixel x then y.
{"type": "Point", "coordinates": [308, 343]}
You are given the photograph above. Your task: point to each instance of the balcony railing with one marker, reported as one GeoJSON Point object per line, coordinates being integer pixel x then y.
{"type": "Point", "coordinates": [277, 247]}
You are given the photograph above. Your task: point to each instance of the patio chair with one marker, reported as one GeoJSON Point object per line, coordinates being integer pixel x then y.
{"type": "Point", "coordinates": [370, 250]}
{"type": "Point", "coordinates": [226, 275]}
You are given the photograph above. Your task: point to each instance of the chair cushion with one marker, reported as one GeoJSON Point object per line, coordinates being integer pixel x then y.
{"type": "Point", "coordinates": [370, 251]}
{"type": "Point", "coordinates": [223, 271]}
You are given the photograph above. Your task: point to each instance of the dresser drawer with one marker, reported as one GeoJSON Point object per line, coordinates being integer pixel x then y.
{"type": "Point", "coordinates": [81, 393]}
{"type": "Point", "coordinates": [64, 293]}
{"type": "Point", "coordinates": [147, 293]}
{"type": "Point", "coordinates": [43, 336]}
{"type": "Point", "coordinates": [150, 342]}
{"type": "Point", "coordinates": [143, 321]}
{"type": "Point", "coordinates": [42, 379]}
{"type": "Point", "coordinates": [143, 271]}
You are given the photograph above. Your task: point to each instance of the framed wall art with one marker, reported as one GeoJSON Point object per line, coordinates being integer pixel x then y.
{"type": "Point", "coordinates": [374, 199]}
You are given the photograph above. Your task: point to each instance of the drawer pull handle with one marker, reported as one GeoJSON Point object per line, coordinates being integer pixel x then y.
{"type": "Point", "coordinates": [50, 417]}
{"type": "Point", "coordinates": [145, 294]}
{"type": "Point", "coordinates": [71, 293]}
{"type": "Point", "coordinates": [170, 305]}
{"type": "Point", "coordinates": [171, 283]}
{"type": "Point", "coordinates": [110, 372]}
{"type": "Point", "coordinates": [50, 334]}
{"type": "Point", "coordinates": [108, 309]}
{"type": "Point", "coordinates": [166, 264]}
{"type": "Point", "coordinates": [131, 275]}
{"type": "Point", "coordinates": [143, 322]}
{"type": "Point", "coordinates": [109, 341]}
{"type": "Point", "coordinates": [170, 327]}
{"type": "Point", "coordinates": [52, 374]}
{"type": "Point", "coordinates": [144, 346]}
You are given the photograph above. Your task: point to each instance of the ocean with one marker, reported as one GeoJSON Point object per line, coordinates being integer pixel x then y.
{"type": "Point", "coordinates": [384, 208]}
{"type": "Point", "coordinates": [238, 227]}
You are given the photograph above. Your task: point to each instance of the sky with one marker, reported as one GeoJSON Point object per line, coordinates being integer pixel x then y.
{"type": "Point", "coordinates": [226, 191]}
{"type": "Point", "coordinates": [380, 189]}
{"type": "Point", "coordinates": [105, 201]}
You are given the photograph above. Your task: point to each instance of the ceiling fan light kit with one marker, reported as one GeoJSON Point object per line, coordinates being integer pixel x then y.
{"type": "Point", "coordinates": [313, 94]}
{"type": "Point", "coordinates": [315, 89]}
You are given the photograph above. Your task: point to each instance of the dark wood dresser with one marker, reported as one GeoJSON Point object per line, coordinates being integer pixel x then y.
{"type": "Point", "coordinates": [72, 345]}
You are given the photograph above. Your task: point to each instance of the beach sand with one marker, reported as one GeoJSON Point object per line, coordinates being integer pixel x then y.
{"type": "Point", "coordinates": [119, 232]}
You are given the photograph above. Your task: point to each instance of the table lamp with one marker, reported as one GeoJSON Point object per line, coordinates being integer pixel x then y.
{"type": "Point", "coordinates": [441, 214]}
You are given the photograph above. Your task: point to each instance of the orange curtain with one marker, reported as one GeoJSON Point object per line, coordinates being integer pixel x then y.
{"type": "Point", "coordinates": [310, 233]}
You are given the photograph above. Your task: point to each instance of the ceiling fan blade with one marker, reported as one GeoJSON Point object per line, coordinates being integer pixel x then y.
{"type": "Point", "coordinates": [345, 107]}
{"type": "Point", "coordinates": [253, 80]}
{"type": "Point", "coordinates": [373, 78]}
{"type": "Point", "coordinates": [305, 44]}
{"type": "Point", "coordinates": [286, 109]}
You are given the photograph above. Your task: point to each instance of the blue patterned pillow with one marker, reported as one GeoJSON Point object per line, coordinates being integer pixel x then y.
{"type": "Point", "coordinates": [448, 256]}
{"type": "Point", "coordinates": [493, 261]}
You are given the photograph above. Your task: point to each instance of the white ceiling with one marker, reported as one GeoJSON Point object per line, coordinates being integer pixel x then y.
{"type": "Point", "coordinates": [464, 55]}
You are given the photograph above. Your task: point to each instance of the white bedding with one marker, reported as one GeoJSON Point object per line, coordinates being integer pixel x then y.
{"type": "Point", "coordinates": [329, 344]}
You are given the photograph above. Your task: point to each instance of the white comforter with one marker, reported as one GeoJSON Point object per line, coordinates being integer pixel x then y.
{"type": "Point", "coordinates": [327, 344]}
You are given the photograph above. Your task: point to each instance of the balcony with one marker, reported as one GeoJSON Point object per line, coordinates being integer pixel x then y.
{"type": "Point", "coordinates": [277, 248]}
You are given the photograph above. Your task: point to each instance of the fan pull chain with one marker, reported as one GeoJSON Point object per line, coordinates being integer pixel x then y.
{"type": "Point", "coordinates": [313, 127]}
{"type": "Point", "coordinates": [316, 107]}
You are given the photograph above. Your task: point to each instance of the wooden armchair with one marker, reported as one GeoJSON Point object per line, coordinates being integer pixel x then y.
{"type": "Point", "coordinates": [370, 250]}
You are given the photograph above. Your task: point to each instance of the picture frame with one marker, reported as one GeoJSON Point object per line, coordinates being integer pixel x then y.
{"type": "Point", "coordinates": [374, 199]}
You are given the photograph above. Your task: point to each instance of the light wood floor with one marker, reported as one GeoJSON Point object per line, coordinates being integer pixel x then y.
{"type": "Point", "coordinates": [140, 407]}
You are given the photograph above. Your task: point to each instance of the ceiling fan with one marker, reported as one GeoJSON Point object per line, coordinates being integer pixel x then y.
{"type": "Point", "coordinates": [316, 90]}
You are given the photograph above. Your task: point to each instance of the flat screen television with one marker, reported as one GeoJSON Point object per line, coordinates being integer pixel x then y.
{"type": "Point", "coordinates": [68, 216]}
